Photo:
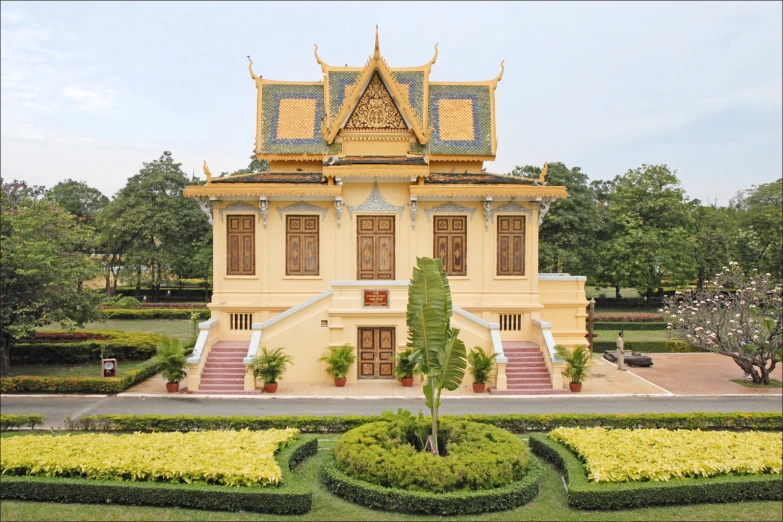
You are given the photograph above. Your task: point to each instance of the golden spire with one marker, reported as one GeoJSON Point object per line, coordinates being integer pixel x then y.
{"type": "Point", "coordinates": [207, 172]}
{"type": "Point", "coordinates": [252, 74]}
{"type": "Point", "coordinates": [377, 53]}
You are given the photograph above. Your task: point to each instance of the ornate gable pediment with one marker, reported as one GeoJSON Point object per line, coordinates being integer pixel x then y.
{"type": "Point", "coordinates": [376, 111]}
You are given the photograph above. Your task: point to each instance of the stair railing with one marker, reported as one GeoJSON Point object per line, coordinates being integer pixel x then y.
{"type": "Point", "coordinates": [207, 336]}
{"type": "Point", "coordinates": [497, 346]}
{"type": "Point", "coordinates": [542, 335]}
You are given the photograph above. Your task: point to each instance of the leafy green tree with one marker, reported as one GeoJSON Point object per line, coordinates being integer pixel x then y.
{"type": "Point", "coordinates": [42, 269]}
{"type": "Point", "coordinates": [255, 165]}
{"type": "Point", "coordinates": [649, 219]}
{"type": "Point", "coordinates": [568, 235]}
{"type": "Point", "coordinates": [761, 227]}
{"type": "Point", "coordinates": [78, 198]}
{"type": "Point", "coordinates": [17, 190]}
{"type": "Point", "coordinates": [714, 231]}
{"type": "Point", "coordinates": [439, 351]}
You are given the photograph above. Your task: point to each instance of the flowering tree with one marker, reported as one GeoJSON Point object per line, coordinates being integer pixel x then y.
{"type": "Point", "coordinates": [737, 315]}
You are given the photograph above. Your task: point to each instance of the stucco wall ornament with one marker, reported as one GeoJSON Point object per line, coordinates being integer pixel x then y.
{"type": "Point", "coordinates": [449, 207]}
{"type": "Point", "coordinates": [303, 206]}
{"type": "Point", "coordinates": [206, 208]}
{"type": "Point", "coordinates": [263, 209]}
{"type": "Point", "coordinates": [414, 204]}
{"type": "Point", "coordinates": [239, 206]}
{"type": "Point", "coordinates": [338, 207]}
{"type": "Point", "coordinates": [543, 209]}
{"type": "Point", "coordinates": [488, 217]}
{"type": "Point", "coordinates": [515, 208]}
{"type": "Point", "coordinates": [375, 203]}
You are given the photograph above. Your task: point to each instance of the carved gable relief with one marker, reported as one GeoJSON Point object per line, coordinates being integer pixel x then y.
{"type": "Point", "coordinates": [376, 111]}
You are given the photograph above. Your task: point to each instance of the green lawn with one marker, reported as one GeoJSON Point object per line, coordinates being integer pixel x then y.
{"type": "Point", "coordinates": [85, 369]}
{"type": "Point", "coordinates": [773, 383]}
{"type": "Point", "coordinates": [180, 328]}
{"type": "Point", "coordinates": [633, 335]}
{"type": "Point", "coordinates": [550, 504]}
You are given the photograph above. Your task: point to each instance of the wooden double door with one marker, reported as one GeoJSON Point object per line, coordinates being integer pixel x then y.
{"type": "Point", "coordinates": [376, 352]}
{"type": "Point", "coordinates": [375, 247]}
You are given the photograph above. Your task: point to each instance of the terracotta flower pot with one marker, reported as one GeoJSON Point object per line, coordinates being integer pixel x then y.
{"type": "Point", "coordinates": [407, 381]}
{"type": "Point", "coordinates": [270, 387]}
{"type": "Point", "coordinates": [575, 386]}
{"type": "Point", "coordinates": [478, 388]}
{"type": "Point", "coordinates": [340, 382]}
{"type": "Point", "coordinates": [172, 387]}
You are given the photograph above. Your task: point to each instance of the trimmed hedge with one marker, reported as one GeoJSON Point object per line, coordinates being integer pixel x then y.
{"type": "Point", "coordinates": [155, 313]}
{"type": "Point", "coordinates": [583, 494]}
{"type": "Point", "coordinates": [9, 421]}
{"type": "Point", "coordinates": [114, 344]}
{"type": "Point", "coordinates": [647, 347]}
{"type": "Point", "coordinates": [516, 423]}
{"type": "Point", "coordinates": [33, 384]}
{"type": "Point", "coordinates": [628, 326]}
{"type": "Point", "coordinates": [619, 317]}
{"type": "Point", "coordinates": [288, 499]}
{"type": "Point", "coordinates": [454, 503]}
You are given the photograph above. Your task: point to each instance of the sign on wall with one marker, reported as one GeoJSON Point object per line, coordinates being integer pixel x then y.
{"type": "Point", "coordinates": [376, 298]}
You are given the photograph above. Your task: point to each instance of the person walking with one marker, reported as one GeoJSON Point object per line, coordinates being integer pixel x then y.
{"type": "Point", "coordinates": [621, 351]}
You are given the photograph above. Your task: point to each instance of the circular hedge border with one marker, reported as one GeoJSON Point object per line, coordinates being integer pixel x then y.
{"type": "Point", "coordinates": [455, 503]}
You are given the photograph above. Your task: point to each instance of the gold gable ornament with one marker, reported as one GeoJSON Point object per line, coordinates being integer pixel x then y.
{"type": "Point", "coordinates": [376, 110]}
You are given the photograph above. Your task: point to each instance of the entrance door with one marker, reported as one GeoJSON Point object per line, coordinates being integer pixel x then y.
{"type": "Point", "coordinates": [376, 353]}
{"type": "Point", "coordinates": [375, 247]}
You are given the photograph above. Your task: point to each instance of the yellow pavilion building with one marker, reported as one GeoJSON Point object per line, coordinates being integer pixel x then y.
{"type": "Point", "coordinates": [371, 168]}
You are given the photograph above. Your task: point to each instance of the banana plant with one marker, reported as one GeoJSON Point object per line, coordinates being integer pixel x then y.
{"type": "Point", "coordinates": [441, 354]}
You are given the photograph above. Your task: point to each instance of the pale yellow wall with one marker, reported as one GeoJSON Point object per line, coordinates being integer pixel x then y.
{"type": "Point", "coordinates": [565, 305]}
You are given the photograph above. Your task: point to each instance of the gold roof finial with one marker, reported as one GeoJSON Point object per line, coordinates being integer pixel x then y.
{"type": "Point", "coordinates": [544, 170]}
{"type": "Point", "coordinates": [207, 172]}
{"type": "Point", "coordinates": [502, 70]}
{"type": "Point", "coordinates": [377, 53]}
{"type": "Point", "coordinates": [250, 67]}
{"type": "Point", "coordinates": [431, 62]}
{"type": "Point", "coordinates": [318, 59]}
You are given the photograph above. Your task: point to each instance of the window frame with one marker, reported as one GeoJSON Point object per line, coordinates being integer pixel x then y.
{"type": "Point", "coordinates": [287, 251]}
{"type": "Point", "coordinates": [498, 256]}
{"type": "Point", "coordinates": [252, 249]}
{"type": "Point", "coordinates": [448, 264]}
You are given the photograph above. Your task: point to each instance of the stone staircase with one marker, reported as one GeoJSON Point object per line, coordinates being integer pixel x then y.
{"type": "Point", "coordinates": [526, 371]}
{"type": "Point", "coordinates": [224, 371]}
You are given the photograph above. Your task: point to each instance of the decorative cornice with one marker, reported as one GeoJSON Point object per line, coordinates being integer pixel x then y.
{"type": "Point", "coordinates": [303, 206]}
{"type": "Point", "coordinates": [449, 207]}
{"type": "Point", "coordinates": [375, 203]}
{"type": "Point", "coordinates": [376, 137]}
{"type": "Point", "coordinates": [482, 191]}
{"type": "Point", "coordinates": [378, 171]}
{"type": "Point", "coordinates": [511, 206]}
{"type": "Point", "coordinates": [255, 190]}
{"type": "Point", "coordinates": [452, 157]}
{"type": "Point", "coordinates": [239, 206]}
{"type": "Point", "coordinates": [289, 157]}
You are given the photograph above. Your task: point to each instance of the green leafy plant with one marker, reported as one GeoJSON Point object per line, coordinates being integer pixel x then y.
{"type": "Point", "coordinates": [577, 361]}
{"type": "Point", "coordinates": [441, 354]}
{"type": "Point", "coordinates": [418, 424]}
{"type": "Point", "coordinates": [128, 302]}
{"type": "Point", "coordinates": [338, 360]}
{"type": "Point", "coordinates": [406, 364]}
{"type": "Point", "coordinates": [480, 364]}
{"type": "Point", "coordinates": [271, 365]}
{"type": "Point", "coordinates": [170, 360]}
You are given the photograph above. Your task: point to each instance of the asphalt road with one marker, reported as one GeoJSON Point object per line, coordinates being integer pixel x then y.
{"type": "Point", "coordinates": [56, 408]}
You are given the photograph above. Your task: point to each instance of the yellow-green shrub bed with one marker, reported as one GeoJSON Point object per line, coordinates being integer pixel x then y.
{"type": "Point", "coordinates": [628, 455]}
{"type": "Point", "coordinates": [229, 458]}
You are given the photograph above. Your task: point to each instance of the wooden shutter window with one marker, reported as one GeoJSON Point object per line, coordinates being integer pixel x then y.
{"type": "Point", "coordinates": [450, 243]}
{"type": "Point", "coordinates": [301, 246]}
{"type": "Point", "coordinates": [241, 245]}
{"type": "Point", "coordinates": [511, 245]}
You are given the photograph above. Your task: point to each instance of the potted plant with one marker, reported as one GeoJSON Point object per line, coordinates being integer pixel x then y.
{"type": "Point", "coordinates": [170, 359]}
{"type": "Point", "coordinates": [480, 366]}
{"type": "Point", "coordinates": [405, 365]}
{"type": "Point", "coordinates": [270, 366]}
{"type": "Point", "coordinates": [577, 361]}
{"type": "Point", "coordinates": [338, 361]}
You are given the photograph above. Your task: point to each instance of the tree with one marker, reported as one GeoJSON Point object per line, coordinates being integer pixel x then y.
{"type": "Point", "coordinates": [649, 218]}
{"type": "Point", "coordinates": [761, 227]}
{"type": "Point", "coordinates": [440, 353]}
{"type": "Point", "coordinates": [737, 315]}
{"type": "Point", "coordinates": [567, 237]}
{"type": "Point", "coordinates": [150, 226]}
{"type": "Point", "coordinates": [714, 231]}
{"type": "Point", "coordinates": [78, 198]}
{"type": "Point", "coordinates": [17, 190]}
{"type": "Point", "coordinates": [255, 165]}
{"type": "Point", "coordinates": [42, 270]}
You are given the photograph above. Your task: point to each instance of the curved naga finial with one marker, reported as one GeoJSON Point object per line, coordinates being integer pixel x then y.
{"type": "Point", "coordinates": [502, 70]}
{"type": "Point", "coordinates": [431, 62]}
{"type": "Point", "coordinates": [544, 170]}
{"type": "Point", "coordinates": [207, 172]}
{"type": "Point", "coordinates": [377, 53]}
{"type": "Point", "coordinates": [250, 67]}
{"type": "Point", "coordinates": [318, 59]}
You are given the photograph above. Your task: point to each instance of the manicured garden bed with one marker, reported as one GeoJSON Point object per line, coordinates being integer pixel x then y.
{"type": "Point", "coordinates": [586, 494]}
{"type": "Point", "coordinates": [115, 484]}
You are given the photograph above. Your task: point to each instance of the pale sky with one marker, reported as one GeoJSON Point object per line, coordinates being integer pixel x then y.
{"type": "Point", "coordinates": [91, 90]}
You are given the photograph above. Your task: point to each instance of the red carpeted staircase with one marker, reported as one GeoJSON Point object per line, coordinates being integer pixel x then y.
{"type": "Point", "coordinates": [224, 371]}
{"type": "Point", "coordinates": [526, 371]}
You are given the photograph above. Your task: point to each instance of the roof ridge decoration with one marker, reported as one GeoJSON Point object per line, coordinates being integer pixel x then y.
{"type": "Point", "coordinates": [375, 203]}
{"type": "Point", "coordinates": [354, 92]}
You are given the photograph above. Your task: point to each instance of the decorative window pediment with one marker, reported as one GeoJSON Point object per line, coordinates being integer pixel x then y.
{"type": "Point", "coordinates": [449, 207]}
{"type": "Point", "coordinates": [376, 110]}
{"type": "Point", "coordinates": [375, 203]}
{"type": "Point", "coordinates": [303, 206]}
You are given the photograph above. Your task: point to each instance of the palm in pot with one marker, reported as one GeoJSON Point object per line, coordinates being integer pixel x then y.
{"type": "Point", "coordinates": [577, 362]}
{"type": "Point", "coordinates": [270, 366]}
{"type": "Point", "coordinates": [170, 360]}
{"type": "Point", "coordinates": [405, 366]}
{"type": "Point", "coordinates": [480, 366]}
{"type": "Point", "coordinates": [338, 361]}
